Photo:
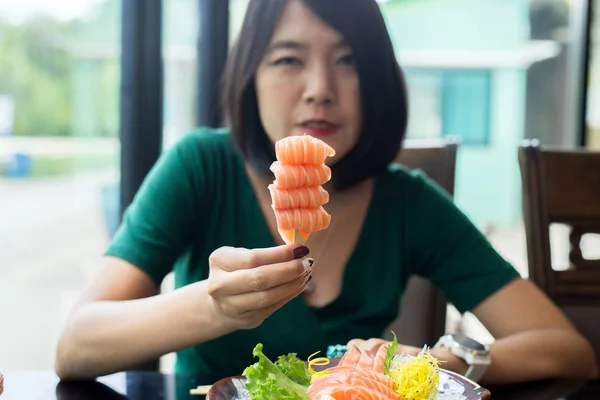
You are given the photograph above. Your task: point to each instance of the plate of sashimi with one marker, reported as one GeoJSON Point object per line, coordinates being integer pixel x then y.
{"type": "Point", "coordinates": [357, 375]}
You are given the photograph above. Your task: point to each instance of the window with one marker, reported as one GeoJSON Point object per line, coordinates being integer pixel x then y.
{"type": "Point", "coordinates": [491, 73]}
{"type": "Point", "coordinates": [440, 99]}
{"type": "Point", "coordinates": [59, 157]}
{"type": "Point", "coordinates": [593, 100]}
{"type": "Point", "coordinates": [180, 35]}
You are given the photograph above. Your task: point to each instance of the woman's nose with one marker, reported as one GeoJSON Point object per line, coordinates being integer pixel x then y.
{"type": "Point", "coordinates": [320, 86]}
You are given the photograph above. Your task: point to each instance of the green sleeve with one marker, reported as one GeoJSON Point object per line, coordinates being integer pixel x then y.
{"type": "Point", "coordinates": [447, 248]}
{"type": "Point", "coordinates": [163, 217]}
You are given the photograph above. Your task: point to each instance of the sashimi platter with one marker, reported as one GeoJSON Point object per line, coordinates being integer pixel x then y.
{"type": "Point", "coordinates": [297, 201]}
{"type": "Point", "coordinates": [357, 375]}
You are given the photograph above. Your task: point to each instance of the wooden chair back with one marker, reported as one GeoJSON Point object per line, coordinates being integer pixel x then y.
{"type": "Point", "coordinates": [562, 186]}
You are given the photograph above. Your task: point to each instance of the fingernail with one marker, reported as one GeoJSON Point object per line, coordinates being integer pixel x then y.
{"type": "Point", "coordinates": [308, 263]}
{"type": "Point", "coordinates": [300, 252]}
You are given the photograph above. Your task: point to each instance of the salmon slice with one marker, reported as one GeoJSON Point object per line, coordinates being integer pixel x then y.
{"type": "Point", "coordinates": [344, 392]}
{"type": "Point", "coordinates": [365, 373]}
{"type": "Point", "coordinates": [366, 360]}
{"type": "Point", "coordinates": [375, 383]}
{"type": "Point", "coordinates": [351, 357]}
{"type": "Point", "coordinates": [302, 150]}
{"type": "Point", "coordinates": [287, 235]}
{"type": "Point", "coordinates": [305, 219]}
{"type": "Point", "coordinates": [304, 234]}
{"type": "Point", "coordinates": [304, 197]}
{"type": "Point", "coordinates": [352, 379]}
{"type": "Point", "coordinates": [379, 361]}
{"type": "Point", "coordinates": [294, 176]}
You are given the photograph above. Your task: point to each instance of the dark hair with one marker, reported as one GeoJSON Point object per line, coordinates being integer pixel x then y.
{"type": "Point", "coordinates": [382, 86]}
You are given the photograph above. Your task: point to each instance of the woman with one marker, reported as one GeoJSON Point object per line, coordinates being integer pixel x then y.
{"type": "Point", "coordinates": [204, 211]}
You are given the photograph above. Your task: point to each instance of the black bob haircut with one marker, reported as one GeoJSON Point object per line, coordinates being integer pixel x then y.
{"type": "Point", "coordinates": [382, 86]}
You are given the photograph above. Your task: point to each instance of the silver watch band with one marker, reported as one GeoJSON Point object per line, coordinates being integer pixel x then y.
{"type": "Point", "coordinates": [477, 359]}
{"type": "Point", "coordinates": [476, 371]}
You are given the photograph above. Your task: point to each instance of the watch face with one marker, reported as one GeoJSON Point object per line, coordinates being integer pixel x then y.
{"type": "Point", "coordinates": [466, 341]}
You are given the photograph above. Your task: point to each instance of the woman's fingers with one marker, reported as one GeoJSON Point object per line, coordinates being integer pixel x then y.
{"type": "Point", "coordinates": [245, 302]}
{"type": "Point", "coordinates": [259, 279]}
{"type": "Point", "coordinates": [248, 285]}
{"type": "Point", "coordinates": [237, 258]}
{"type": "Point", "coordinates": [258, 316]}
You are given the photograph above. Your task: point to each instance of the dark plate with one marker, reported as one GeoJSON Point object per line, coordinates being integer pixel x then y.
{"type": "Point", "coordinates": [233, 388]}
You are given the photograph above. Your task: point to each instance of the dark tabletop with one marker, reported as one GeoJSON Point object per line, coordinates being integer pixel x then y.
{"type": "Point", "coordinates": [45, 385]}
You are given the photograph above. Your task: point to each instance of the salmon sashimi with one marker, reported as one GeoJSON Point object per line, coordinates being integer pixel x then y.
{"type": "Point", "coordinates": [360, 375]}
{"type": "Point", "coordinates": [365, 373]}
{"type": "Point", "coordinates": [366, 360]}
{"type": "Point", "coordinates": [305, 219]}
{"type": "Point", "coordinates": [378, 363]}
{"type": "Point", "coordinates": [345, 392]}
{"type": "Point", "coordinates": [351, 357]}
{"type": "Point", "coordinates": [303, 197]}
{"type": "Point", "coordinates": [301, 175]}
{"type": "Point", "coordinates": [356, 378]}
{"type": "Point", "coordinates": [302, 150]}
{"type": "Point", "coordinates": [296, 193]}
{"type": "Point", "coordinates": [374, 383]}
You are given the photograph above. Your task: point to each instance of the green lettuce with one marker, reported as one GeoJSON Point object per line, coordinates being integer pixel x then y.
{"type": "Point", "coordinates": [286, 379]}
{"type": "Point", "coordinates": [294, 368]}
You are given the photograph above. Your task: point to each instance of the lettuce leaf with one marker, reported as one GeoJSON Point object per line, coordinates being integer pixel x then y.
{"type": "Point", "coordinates": [294, 368]}
{"type": "Point", "coordinates": [268, 381]}
{"type": "Point", "coordinates": [390, 353]}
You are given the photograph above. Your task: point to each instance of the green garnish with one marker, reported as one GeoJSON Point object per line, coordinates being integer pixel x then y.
{"type": "Point", "coordinates": [294, 368]}
{"type": "Point", "coordinates": [390, 353]}
{"type": "Point", "coordinates": [286, 379]}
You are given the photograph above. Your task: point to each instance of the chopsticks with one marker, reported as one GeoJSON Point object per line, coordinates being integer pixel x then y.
{"type": "Point", "coordinates": [200, 390]}
{"type": "Point", "coordinates": [298, 237]}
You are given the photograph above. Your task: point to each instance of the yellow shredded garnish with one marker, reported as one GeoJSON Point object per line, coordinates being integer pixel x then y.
{"type": "Point", "coordinates": [318, 362]}
{"type": "Point", "coordinates": [416, 379]}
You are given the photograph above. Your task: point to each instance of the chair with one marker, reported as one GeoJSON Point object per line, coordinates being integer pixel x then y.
{"type": "Point", "coordinates": [563, 187]}
{"type": "Point", "coordinates": [422, 318]}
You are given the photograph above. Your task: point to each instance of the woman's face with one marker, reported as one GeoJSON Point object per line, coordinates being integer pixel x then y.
{"type": "Point", "coordinates": [307, 82]}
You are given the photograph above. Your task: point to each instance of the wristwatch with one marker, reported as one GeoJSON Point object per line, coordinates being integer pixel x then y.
{"type": "Point", "coordinates": [475, 354]}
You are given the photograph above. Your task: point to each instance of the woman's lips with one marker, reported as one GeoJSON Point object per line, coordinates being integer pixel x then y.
{"type": "Point", "coordinates": [319, 128]}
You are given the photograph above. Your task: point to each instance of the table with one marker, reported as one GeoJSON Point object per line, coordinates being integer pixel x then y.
{"type": "Point", "coordinates": [134, 385]}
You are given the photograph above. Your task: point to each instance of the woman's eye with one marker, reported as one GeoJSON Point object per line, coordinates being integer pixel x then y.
{"type": "Point", "coordinates": [347, 60]}
{"type": "Point", "coordinates": [286, 61]}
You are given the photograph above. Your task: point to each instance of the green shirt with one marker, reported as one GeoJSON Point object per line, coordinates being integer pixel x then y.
{"type": "Point", "coordinates": [198, 198]}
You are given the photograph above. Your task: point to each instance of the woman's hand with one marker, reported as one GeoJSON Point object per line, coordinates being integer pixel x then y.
{"type": "Point", "coordinates": [448, 360]}
{"type": "Point", "coordinates": [247, 286]}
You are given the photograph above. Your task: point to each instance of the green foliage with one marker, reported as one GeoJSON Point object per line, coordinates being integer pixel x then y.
{"type": "Point", "coordinates": [35, 72]}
